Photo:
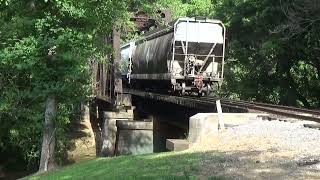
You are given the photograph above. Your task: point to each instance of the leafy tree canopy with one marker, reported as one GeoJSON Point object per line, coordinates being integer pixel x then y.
{"type": "Point", "coordinates": [45, 49]}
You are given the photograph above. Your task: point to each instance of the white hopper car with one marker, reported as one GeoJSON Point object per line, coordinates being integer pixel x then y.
{"type": "Point", "coordinates": [186, 56]}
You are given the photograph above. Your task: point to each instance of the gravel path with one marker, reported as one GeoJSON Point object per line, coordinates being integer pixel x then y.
{"type": "Point", "coordinates": [287, 136]}
{"type": "Point", "coordinates": [261, 149]}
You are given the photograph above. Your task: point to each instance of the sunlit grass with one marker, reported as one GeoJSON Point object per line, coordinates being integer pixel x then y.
{"type": "Point", "coordinates": [153, 166]}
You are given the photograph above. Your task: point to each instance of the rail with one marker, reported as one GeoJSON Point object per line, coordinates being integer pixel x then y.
{"type": "Point", "coordinates": [207, 102]}
{"type": "Point", "coordinates": [287, 111]}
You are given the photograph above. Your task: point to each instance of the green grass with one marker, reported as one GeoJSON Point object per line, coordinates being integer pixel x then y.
{"type": "Point", "coordinates": [153, 166]}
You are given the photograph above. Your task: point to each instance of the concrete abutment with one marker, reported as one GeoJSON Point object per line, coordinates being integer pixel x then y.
{"type": "Point", "coordinates": [140, 126]}
{"type": "Point", "coordinates": [202, 125]}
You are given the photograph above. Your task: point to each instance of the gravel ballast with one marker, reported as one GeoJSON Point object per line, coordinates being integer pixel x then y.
{"type": "Point", "coordinates": [262, 149]}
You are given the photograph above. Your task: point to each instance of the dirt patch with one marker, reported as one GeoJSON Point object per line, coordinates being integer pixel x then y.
{"type": "Point", "coordinates": [262, 150]}
{"type": "Point", "coordinates": [82, 138]}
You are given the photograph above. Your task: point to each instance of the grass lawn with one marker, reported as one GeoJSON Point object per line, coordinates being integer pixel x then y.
{"type": "Point", "coordinates": [169, 165]}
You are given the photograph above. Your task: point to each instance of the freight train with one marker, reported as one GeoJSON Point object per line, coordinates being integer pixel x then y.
{"type": "Point", "coordinates": [184, 57]}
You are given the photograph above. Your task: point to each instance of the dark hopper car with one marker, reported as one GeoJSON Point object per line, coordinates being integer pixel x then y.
{"type": "Point", "coordinates": [187, 56]}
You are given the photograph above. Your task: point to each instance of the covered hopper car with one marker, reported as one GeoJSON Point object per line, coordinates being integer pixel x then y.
{"type": "Point", "coordinates": [186, 56]}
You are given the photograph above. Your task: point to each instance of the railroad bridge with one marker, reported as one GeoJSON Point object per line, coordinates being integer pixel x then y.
{"type": "Point", "coordinates": [127, 121]}
{"type": "Point", "coordinates": [145, 122]}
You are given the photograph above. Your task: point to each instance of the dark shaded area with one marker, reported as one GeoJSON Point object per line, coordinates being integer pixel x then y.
{"type": "Point", "coordinates": [13, 166]}
{"type": "Point", "coordinates": [145, 22]}
{"type": "Point", "coordinates": [170, 121]}
{"type": "Point", "coordinates": [97, 108]}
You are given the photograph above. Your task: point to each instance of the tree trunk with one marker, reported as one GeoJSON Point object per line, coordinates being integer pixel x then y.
{"type": "Point", "coordinates": [294, 88]}
{"type": "Point", "coordinates": [47, 161]}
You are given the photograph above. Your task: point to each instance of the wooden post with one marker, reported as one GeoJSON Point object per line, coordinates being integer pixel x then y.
{"type": "Point", "coordinates": [116, 62]}
{"type": "Point", "coordinates": [220, 116]}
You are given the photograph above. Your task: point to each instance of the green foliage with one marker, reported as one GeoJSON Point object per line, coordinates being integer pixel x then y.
{"type": "Point", "coordinates": [183, 8]}
{"type": "Point", "coordinates": [177, 7]}
{"type": "Point", "coordinates": [45, 49]}
{"type": "Point", "coordinates": [199, 8]}
{"type": "Point", "coordinates": [271, 58]}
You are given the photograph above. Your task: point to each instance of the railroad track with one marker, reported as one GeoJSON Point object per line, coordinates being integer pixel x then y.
{"type": "Point", "coordinates": [285, 111]}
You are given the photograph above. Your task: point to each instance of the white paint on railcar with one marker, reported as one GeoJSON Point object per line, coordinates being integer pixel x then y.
{"type": "Point", "coordinates": [193, 31]}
